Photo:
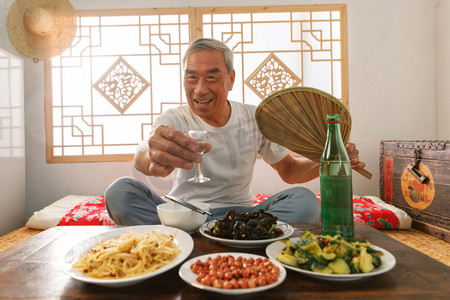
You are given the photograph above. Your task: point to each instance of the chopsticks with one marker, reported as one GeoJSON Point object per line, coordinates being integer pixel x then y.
{"type": "Point", "coordinates": [188, 205]}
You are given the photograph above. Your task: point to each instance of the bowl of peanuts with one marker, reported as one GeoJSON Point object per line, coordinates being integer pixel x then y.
{"type": "Point", "coordinates": [233, 273]}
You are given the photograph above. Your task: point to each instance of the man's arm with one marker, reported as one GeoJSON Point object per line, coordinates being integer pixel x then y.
{"type": "Point", "coordinates": [301, 170]}
{"type": "Point", "coordinates": [296, 170]}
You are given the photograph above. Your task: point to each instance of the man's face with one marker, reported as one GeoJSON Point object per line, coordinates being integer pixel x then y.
{"type": "Point", "coordinates": [207, 83]}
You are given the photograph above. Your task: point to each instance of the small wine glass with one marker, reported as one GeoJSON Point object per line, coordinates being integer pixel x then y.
{"type": "Point", "coordinates": [201, 137]}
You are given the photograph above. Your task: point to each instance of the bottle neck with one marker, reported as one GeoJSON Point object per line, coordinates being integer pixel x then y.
{"type": "Point", "coordinates": [334, 146]}
{"type": "Point", "coordinates": [334, 131]}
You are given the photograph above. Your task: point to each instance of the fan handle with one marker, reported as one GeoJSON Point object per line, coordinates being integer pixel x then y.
{"type": "Point", "coordinates": [364, 173]}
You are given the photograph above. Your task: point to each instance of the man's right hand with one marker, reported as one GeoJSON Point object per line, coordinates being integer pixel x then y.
{"type": "Point", "coordinates": [166, 150]}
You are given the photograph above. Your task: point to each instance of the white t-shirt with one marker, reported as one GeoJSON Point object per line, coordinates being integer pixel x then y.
{"type": "Point", "coordinates": [231, 160]}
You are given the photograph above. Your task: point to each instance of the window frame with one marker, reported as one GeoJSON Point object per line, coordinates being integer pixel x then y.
{"type": "Point", "coordinates": [195, 31]}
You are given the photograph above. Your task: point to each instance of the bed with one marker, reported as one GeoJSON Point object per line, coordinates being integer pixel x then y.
{"type": "Point", "coordinates": [77, 210]}
{"type": "Point", "coordinates": [90, 210]}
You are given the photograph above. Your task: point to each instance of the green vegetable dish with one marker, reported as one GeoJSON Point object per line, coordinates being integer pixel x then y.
{"type": "Point", "coordinates": [330, 254]}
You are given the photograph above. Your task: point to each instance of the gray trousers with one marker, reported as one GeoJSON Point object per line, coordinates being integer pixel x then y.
{"type": "Point", "coordinates": [131, 202]}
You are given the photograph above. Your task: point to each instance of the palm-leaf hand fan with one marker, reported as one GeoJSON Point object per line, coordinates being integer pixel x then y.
{"type": "Point", "coordinates": [296, 119]}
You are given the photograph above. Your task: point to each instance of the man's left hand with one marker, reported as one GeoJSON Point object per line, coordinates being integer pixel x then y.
{"type": "Point", "coordinates": [353, 155]}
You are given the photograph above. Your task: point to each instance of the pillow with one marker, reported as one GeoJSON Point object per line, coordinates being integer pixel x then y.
{"type": "Point", "coordinates": [260, 198]}
{"type": "Point", "coordinates": [405, 221]}
{"type": "Point", "coordinates": [50, 215]}
{"type": "Point", "coordinates": [91, 211]}
{"type": "Point", "coordinates": [369, 210]}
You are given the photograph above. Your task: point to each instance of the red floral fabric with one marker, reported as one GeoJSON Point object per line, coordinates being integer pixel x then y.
{"type": "Point", "coordinates": [364, 211]}
{"type": "Point", "coordinates": [92, 211]}
{"type": "Point", "coordinates": [260, 198]}
{"type": "Point", "coordinates": [367, 212]}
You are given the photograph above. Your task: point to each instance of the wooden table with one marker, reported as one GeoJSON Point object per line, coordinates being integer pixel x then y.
{"type": "Point", "coordinates": [30, 270]}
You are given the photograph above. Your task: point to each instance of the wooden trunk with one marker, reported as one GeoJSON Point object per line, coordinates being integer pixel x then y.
{"type": "Point", "coordinates": [427, 203]}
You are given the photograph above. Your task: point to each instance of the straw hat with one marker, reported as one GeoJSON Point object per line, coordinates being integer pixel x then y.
{"type": "Point", "coordinates": [41, 29]}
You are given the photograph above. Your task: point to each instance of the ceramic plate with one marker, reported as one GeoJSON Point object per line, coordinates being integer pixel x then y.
{"type": "Point", "coordinates": [387, 263]}
{"type": "Point", "coordinates": [188, 276]}
{"type": "Point", "coordinates": [286, 228]}
{"type": "Point", "coordinates": [182, 240]}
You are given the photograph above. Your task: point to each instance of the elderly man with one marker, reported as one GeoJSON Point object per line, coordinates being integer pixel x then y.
{"type": "Point", "coordinates": [234, 142]}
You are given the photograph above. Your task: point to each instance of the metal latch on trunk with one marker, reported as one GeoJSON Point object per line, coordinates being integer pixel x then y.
{"type": "Point", "coordinates": [414, 170]}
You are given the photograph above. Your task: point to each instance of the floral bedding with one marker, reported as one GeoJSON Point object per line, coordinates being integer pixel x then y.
{"type": "Point", "coordinates": [367, 210]}
{"type": "Point", "coordinates": [91, 211]}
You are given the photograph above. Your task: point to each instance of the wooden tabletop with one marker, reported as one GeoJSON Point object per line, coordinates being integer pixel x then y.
{"type": "Point", "coordinates": [30, 270]}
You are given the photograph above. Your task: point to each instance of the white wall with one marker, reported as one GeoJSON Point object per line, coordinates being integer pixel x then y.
{"type": "Point", "coordinates": [392, 88]}
{"type": "Point", "coordinates": [443, 69]}
{"type": "Point", "coordinates": [12, 143]}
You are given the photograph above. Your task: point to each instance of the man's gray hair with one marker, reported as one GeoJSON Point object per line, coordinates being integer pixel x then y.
{"type": "Point", "coordinates": [211, 44]}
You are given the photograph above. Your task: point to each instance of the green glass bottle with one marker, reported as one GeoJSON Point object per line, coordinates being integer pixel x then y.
{"type": "Point", "coordinates": [336, 183]}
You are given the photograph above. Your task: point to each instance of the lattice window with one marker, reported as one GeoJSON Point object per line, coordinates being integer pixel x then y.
{"type": "Point", "coordinates": [279, 47]}
{"type": "Point", "coordinates": [124, 68]}
{"type": "Point", "coordinates": [12, 131]}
